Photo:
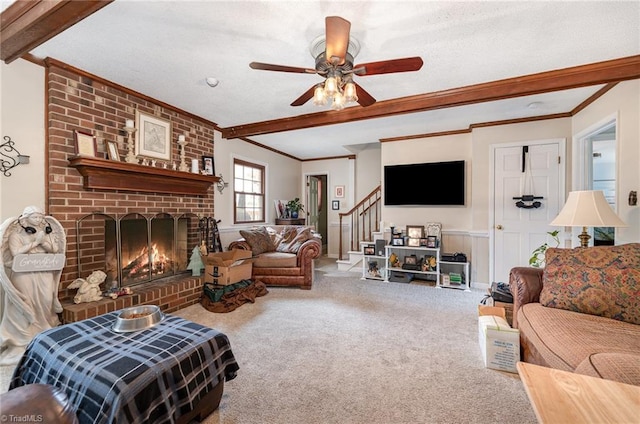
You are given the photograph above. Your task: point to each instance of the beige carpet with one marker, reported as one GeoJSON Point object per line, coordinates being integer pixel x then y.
{"type": "Point", "coordinates": [360, 351]}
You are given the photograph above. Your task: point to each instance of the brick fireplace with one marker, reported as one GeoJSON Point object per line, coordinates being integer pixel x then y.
{"type": "Point", "coordinates": [78, 187]}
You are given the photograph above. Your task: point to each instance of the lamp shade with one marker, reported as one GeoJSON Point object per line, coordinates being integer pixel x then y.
{"type": "Point", "coordinates": [587, 208]}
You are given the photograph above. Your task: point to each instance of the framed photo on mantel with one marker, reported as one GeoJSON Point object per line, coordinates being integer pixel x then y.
{"type": "Point", "coordinates": [85, 144]}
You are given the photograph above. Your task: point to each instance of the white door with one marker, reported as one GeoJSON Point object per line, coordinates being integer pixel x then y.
{"type": "Point", "coordinates": [528, 168]}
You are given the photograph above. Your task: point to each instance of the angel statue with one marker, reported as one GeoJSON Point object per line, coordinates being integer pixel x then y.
{"type": "Point", "coordinates": [89, 289]}
{"type": "Point", "coordinates": [32, 247]}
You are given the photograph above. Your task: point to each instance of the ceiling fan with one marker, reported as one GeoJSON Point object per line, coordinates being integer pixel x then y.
{"type": "Point", "coordinates": [334, 53]}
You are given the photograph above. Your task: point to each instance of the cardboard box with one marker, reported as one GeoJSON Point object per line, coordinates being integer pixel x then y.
{"type": "Point", "coordinates": [226, 268]}
{"type": "Point", "coordinates": [499, 343]}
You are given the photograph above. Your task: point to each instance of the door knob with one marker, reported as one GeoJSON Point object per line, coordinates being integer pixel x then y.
{"type": "Point", "coordinates": [499, 227]}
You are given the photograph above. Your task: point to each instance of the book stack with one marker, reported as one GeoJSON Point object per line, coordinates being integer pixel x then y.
{"type": "Point", "coordinates": [455, 278]}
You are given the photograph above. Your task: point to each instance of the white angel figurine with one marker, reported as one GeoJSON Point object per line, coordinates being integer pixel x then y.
{"type": "Point", "coordinates": [28, 299]}
{"type": "Point", "coordinates": [89, 289]}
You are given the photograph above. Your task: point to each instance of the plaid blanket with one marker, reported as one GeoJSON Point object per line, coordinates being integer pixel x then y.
{"type": "Point", "coordinates": [150, 376]}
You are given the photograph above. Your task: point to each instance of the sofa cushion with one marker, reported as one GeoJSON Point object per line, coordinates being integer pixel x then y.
{"type": "Point", "coordinates": [602, 280]}
{"type": "Point", "coordinates": [564, 338]}
{"type": "Point", "coordinates": [292, 239]}
{"type": "Point", "coordinates": [622, 367]}
{"type": "Point", "coordinates": [275, 260]}
{"type": "Point", "coordinates": [259, 240]}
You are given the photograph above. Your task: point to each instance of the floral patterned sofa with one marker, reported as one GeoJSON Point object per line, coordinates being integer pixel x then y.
{"type": "Point", "coordinates": [283, 255]}
{"type": "Point", "coordinates": [582, 312]}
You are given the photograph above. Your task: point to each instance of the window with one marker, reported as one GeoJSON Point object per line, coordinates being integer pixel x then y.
{"type": "Point", "coordinates": [248, 192]}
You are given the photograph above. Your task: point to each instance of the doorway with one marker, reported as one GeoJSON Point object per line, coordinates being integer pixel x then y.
{"type": "Point", "coordinates": [317, 211]}
{"type": "Point", "coordinates": [596, 170]}
{"type": "Point", "coordinates": [519, 224]}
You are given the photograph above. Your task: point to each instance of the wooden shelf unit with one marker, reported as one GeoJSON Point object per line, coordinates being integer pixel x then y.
{"type": "Point", "coordinates": [101, 174]}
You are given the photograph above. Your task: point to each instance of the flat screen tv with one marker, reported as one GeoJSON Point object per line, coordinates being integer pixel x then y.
{"type": "Point", "coordinates": [434, 184]}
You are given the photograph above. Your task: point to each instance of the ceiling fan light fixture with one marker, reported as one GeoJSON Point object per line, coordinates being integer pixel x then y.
{"type": "Point", "coordinates": [350, 94]}
{"type": "Point", "coordinates": [338, 101]}
{"type": "Point", "coordinates": [331, 85]}
{"type": "Point", "coordinates": [319, 98]}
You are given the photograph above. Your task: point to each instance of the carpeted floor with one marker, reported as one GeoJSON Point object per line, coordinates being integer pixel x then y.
{"type": "Point", "coordinates": [360, 351]}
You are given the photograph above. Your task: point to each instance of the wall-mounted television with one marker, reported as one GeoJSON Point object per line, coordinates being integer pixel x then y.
{"type": "Point", "coordinates": [433, 184]}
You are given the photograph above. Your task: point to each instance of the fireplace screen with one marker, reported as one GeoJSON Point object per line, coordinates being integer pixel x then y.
{"type": "Point", "coordinates": [135, 249]}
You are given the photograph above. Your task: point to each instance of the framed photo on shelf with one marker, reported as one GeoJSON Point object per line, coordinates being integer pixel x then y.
{"type": "Point", "coordinates": [423, 242]}
{"type": "Point", "coordinates": [415, 231]}
{"type": "Point", "coordinates": [411, 259]}
{"type": "Point", "coordinates": [112, 151]}
{"type": "Point", "coordinates": [207, 165]}
{"type": "Point", "coordinates": [339, 191]}
{"type": "Point", "coordinates": [335, 205]}
{"type": "Point", "coordinates": [399, 241]}
{"type": "Point", "coordinates": [154, 136]}
{"type": "Point", "coordinates": [85, 144]}
{"type": "Point", "coordinates": [432, 241]}
{"type": "Point", "coordinates": [413, 242]}
{"type": "Point", "coordinates": [369, 249]}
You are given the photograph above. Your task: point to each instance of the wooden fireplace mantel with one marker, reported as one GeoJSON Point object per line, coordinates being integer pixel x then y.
{"type": "Point", "coordinates": [105, 174]}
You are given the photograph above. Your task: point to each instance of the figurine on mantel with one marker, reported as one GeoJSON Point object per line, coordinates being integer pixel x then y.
{"type": "Point", "coordinates": [32, 247]}
{"type": "Point", "coordinates": [89, 289]}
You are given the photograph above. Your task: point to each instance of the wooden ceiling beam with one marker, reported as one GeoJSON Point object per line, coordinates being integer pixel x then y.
{"type": "Point", "coordinates": [615, 70]}
{"type": "Point", "coordinates": [26, 24]}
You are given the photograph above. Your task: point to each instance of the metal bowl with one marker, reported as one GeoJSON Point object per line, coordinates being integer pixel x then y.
{"type": "Point", "coordinates": [137, 318]}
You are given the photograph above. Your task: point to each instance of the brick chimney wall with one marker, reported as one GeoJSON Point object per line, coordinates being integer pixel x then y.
{"type": "Point", "coordinates": [80, 101]}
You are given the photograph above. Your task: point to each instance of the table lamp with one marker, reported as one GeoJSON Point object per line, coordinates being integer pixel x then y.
{"type": "Point", "coordinates": [584, 209]}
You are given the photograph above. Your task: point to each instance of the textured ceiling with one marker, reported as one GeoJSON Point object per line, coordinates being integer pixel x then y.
{"type": "Point", "coordinates": [166, 49]}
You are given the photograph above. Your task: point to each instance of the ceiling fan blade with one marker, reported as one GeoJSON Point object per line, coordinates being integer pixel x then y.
{"type": "Point", "coordinates": [280, 68]}
{"type": "Point", "coordinates": [364, 98]}
{"type": "Point", "coordinates": [306, 96]}
{"type": "Point", "coordinates": [389, 66]}
{"type": "Point", "coordinates": [337, 39]}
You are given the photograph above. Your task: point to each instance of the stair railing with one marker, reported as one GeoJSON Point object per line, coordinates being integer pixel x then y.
{"type": "Point", "coordinates": [364, 220]}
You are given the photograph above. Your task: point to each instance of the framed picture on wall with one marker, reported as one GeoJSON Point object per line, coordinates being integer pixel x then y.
{"type": "Point", "coordinates": [339, 191]}
{"type": "Point", "coordinates": [85, 143]}
{"type": "Point", "coordinates": [153, 136]}
{"type": "Point", "coordinates": [335, 205]}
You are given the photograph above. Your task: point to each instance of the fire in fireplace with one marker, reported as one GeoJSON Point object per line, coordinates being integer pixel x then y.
{"type": "Point", "coordinates": [134, 248]}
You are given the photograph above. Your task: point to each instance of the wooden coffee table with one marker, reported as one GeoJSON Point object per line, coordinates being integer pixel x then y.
{"type": "Point", "coordinates": [564, 397]}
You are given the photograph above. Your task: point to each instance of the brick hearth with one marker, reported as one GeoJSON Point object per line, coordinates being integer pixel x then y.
{"type": "Point", "coordinates": [169, 294]}
{"type": "Point", "coordinates": [87, 103]}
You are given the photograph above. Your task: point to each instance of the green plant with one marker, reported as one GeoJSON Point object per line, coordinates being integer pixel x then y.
{"type": "Point", "coordinates": [295, 205]}
{"type": "Point", "coordinates": [537, 256]}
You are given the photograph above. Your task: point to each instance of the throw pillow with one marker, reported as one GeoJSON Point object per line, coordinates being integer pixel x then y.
{"type": "Point", "coordinates": [276, 236]}
{"type": "Point", "coordinates": [601, 280]}
{"type": "Point", "coordinates": [292, 239]}
{"type": "Point", "coordinates": [259, 240]}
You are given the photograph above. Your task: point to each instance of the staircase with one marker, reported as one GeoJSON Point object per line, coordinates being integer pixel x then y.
{"type": "Point", "coordinates": [361, 226]}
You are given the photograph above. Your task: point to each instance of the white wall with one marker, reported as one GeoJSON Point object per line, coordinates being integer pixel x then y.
{"type": "Point", "coordinates": [22, 119]}
{"type": "Point", "coordinates": [484, 137]}
{"type": "Point", "coordinates": [624, 101]}
{"type": "Point", "coordinates": [431, 149]}
{"type": "Point", "coordinates": [283, 180]}
{"type": "Point", "coordinates": [368, 170]}
{"type": "Point", "coordinates": [340, 172]}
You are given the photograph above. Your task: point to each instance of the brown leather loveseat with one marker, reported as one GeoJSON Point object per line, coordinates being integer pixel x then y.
{"type": "Point", "coordinates": [283, 255]}
{"type": "Point", "coordinates": [581, 313]}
